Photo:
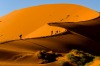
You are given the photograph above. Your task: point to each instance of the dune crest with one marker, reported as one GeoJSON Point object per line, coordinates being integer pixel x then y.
{"type": "Point", "coordinates": [27, 20]}
{"type": "Point", "coordinates": [46, 30]}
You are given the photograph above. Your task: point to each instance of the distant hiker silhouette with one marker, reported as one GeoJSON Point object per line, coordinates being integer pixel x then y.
{"type": "Point", "coordinates": [20, 36]}
{"type": "Point", "coordinates": [67, 16]}
{"type": "Point", "coordinates": [61, 19]}
{"type": "Point", "coordinates": [51, 32]}
{"type": "Point", "coordinates": [57, 32]}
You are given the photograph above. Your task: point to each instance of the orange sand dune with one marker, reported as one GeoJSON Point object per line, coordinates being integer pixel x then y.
{"type": "Point", "coordinates": [46, 30]}
{"type": "Point", "coordinates": [27, 20]}
{"type": "Point", "coordinates": [60, 43]}
{"type": "Point", "coordinates": [20, 52]}
{"type": "Point", "coordinates": [88, 28]}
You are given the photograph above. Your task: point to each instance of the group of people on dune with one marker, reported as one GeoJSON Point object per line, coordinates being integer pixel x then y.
{"type": "Point", "coordinates": [52, 32]}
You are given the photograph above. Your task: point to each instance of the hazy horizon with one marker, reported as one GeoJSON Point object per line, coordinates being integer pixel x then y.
{"type": "Point", "coordinates": [8, 6]}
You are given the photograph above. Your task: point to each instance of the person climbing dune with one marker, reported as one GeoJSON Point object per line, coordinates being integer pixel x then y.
{"type": "Point", "coordinates": [20, 36]}
{"type": "Point", "coordinates": [51, 32]}
{"type": "Point", "coordinates": [56, 32]}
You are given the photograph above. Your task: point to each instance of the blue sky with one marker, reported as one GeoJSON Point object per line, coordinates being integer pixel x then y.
{"type": "Point", "coordinates": [7, 6]}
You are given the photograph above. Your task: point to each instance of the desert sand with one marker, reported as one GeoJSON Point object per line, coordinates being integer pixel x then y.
{"type": "Point", "coordinates": [27, 20]}
{"type": "Point", "coordinates": [78, 26]}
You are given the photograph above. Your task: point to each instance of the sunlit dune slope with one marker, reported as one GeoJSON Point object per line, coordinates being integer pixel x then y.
{"type": "Point", "coordinates": [95, 62]}
{"type": "Point", "coordinates": [46, 30]}
{"type": "Point", "coordinates": [27, 20]}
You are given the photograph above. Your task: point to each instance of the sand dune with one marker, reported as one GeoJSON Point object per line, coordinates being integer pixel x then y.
{"type": "Point", "coordinates": [22, 51]}
{"type": "Point", "coordinates": [46, 30]}
{"type": "Point", "coordinates": [88, 28]}
{"type": "Point", "coordinates": [77, 31]}
{"type": "Point", "coordinates": [27, 20]}
{"type": "Point", "coordinates": [65, 41]}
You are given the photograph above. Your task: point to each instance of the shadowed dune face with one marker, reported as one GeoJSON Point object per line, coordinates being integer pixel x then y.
{"type": "Point", "coordinates": [27, 20]}
{"type": "Point", "coordinates": [88, 28]}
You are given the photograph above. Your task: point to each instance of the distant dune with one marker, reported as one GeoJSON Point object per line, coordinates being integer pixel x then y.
{"type": "Point", "coordinates": [27, 20]}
